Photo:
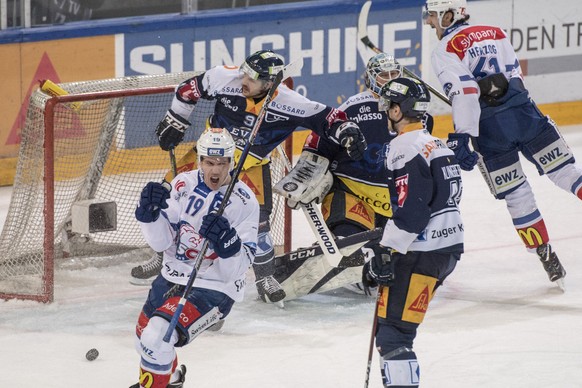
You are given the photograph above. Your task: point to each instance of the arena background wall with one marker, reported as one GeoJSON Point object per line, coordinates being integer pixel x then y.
{"type": "Point", "coordinates": [548, 39]}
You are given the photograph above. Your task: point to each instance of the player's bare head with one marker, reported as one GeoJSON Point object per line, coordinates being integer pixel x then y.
{"type": "Point", "coordinates": [259, 70]}
{"type": "Point", "coordinates": [380, 69]}
{"type": "Point", "coordinates": [216, 156]}
{"type": "Point", "coordinates": [404, 100]}
{"type": "Point", "coordinates": [441, 14]}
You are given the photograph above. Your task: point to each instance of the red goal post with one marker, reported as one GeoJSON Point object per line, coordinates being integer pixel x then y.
{"type": "Point", "coordinates": [83, 160]}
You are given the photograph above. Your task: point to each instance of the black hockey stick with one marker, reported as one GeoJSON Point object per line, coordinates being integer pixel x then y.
{"type": "Point", "coordinates": [173, 162]}
{"type": "Point", "coordinates": [363, 36]}
{"type": "Point", "coordinates": [288, 70]}
{"type": "Point", "coordinates": [372, 338]}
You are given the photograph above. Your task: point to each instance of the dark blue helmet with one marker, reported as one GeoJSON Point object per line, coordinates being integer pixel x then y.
{"type": "Point", "coordinates": [263, 65]}
{"type": "Point", "coordinates": [411, 95]}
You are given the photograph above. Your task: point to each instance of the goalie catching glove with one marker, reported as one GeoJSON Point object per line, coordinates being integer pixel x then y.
{"type": "Point", "coordinates": [308, 181]}
{"type": "Point", "coordinates": [170, 130]}
{"type": "Point", "coordinates": [349, 136]}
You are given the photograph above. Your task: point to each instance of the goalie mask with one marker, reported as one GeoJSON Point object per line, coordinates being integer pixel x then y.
{"type": "Point", "coordinates": [411, 95]}
{"type": "Point", "coordinates": [380, 69]}
{"type": "Point", "coordinates": [457, 7]}
{"type": "Point", "coordinates": [216, 142]}
{"type": "Point", "coordinates": [263, 65]}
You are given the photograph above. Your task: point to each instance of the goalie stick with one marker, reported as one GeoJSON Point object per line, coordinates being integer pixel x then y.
{"type": "Point", "coordinates": [317, 224]}
{"type": "Point", "coordinates": [292, 68]}
{"type": "Point", "coordinates": [363, 36]}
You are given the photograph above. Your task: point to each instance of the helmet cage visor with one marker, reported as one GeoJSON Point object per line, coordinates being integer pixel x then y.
{"type": "Point", "coordinates": [255, 75]}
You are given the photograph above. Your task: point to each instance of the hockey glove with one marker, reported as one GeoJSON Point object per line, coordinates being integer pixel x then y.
{"type": "Point", "coordinates": [368, 281]}
{"type": "Point", "coordinates": [381, 266]}
{"type": "Point", "coordinates": [223, 239]}
{"type": "Point", "coordinates": [171, 130]}
{"type": "Point", "coordinates": [153, 199]}
{"type": "Point", "coordinates": [349, 136]}
{"type": "Point", "coordinates": [459, 144]}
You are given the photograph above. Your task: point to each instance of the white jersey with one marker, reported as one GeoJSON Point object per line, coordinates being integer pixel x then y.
{"type": "Point", "coordinates": [426, 186]}
{"type": "Point", "coordinates": [175, 233]}
{"type": "Point", "coordinates": [465, 55]}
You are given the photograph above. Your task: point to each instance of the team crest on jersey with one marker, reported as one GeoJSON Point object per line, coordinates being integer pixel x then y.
{"type": "Point", "coordinates": [179, 185]}
{"type": "Point", "coordinates": [402, 189]}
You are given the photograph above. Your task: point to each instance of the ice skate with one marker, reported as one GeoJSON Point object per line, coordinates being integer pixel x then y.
{"type": "Point", "coordinates": [552, 265]}
{"type": "Point", "coordinates": [180, 382]}
{"type": "Point", "coordinates": [144, 275]}
{"type": "Point", "coordinates": [270, 290]}
{"type": "Point", "coordinates": [217, 326]}
{"type": "Point", "coordinates": [176, 384]}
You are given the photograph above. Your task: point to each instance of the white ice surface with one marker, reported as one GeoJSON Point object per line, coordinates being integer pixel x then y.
{"type": "Point", "coordinates": [497, 321]}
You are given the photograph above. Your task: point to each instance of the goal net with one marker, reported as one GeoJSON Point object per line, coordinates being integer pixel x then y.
{"type": "Point", "coordinates": [84, 158]}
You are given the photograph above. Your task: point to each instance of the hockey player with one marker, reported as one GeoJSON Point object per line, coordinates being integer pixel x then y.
{"type": "Point", "coordinates": [423, 240]}
{"type": "Point", "coordinates": [481, 75]}
{"type": "Point", "coordinates": [239, 95]}
{"type": "Point", "coordinates": [353, 194]}
{"type": "Point", "coordinates": [176, 223]}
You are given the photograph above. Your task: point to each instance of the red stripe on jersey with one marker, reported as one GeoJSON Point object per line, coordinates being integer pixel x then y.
{"type": "Point", "coordinates": [466, 38]}
{"type": "Point", "coordinates": [470, 91]}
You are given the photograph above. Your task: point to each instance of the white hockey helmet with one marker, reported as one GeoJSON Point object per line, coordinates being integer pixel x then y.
{"type": "Point", "coordinates": [216, 142]}
{"type": "Point", "coordinates": [457, 7]}
{"type": "Point", "coordinates": [378, 71]}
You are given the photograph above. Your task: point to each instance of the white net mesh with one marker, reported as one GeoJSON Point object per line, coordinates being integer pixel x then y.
{"type": "Point", "coordinates": [105, 150]}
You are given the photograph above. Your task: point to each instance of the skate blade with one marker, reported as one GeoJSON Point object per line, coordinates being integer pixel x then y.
{"type": "Point", "coordinates": [141, 282]}
{"type": "Point", "coordinates": [561, 283]}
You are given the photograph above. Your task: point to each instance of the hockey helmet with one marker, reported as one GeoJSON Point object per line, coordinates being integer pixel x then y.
{"type": "Point", "coordinates": [441, 7]}
{"type": "Point", "coordinates": [379, 71]}
{"type": "Point", "coordinates": [411, 95]}
{"type": "Point", "coordinates": [216, 142]}
{"type": "Point", "coordinates": [263, 65]}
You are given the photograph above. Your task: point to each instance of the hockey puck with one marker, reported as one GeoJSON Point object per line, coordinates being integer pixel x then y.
{"type": "Point", "coordinates": [92, 354]}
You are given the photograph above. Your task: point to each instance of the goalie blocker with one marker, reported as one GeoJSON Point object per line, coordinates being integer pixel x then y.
{"type": "Point", "coordinates": [306, 271]}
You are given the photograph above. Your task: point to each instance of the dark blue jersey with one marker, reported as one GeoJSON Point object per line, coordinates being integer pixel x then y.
{"type": "Point", "coordinates": [425, 180]}
{"type": "Point", "coordinates": [287, 112]}
{"type": "Point", "coordinates": [365, 178]}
